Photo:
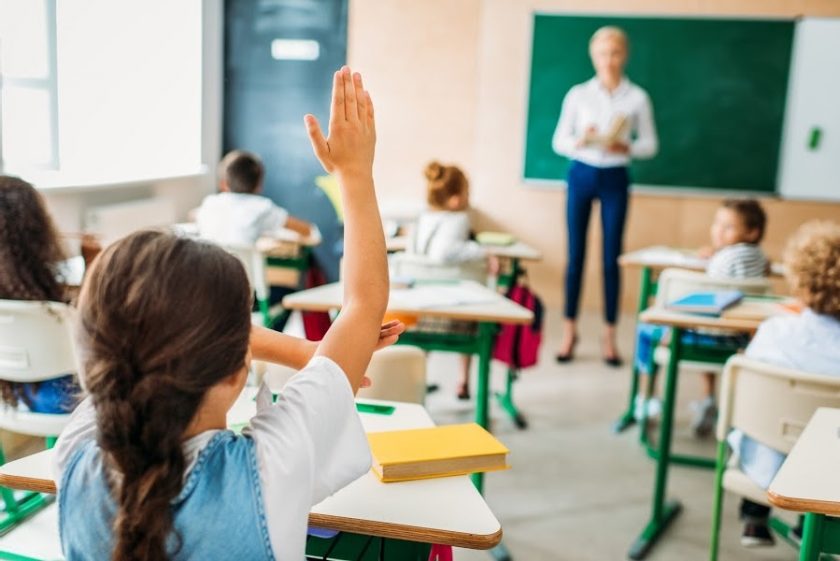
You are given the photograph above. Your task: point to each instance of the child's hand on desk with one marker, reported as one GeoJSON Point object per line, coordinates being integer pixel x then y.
{"type": "Point", "coordinates": [389, 334]}
{"type": "Point", "coordinates": [352, 133]}
{"type": "Point", "coordinates": [705, 252]}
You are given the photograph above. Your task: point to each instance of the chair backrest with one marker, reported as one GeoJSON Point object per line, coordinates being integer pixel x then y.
{"type": "Point", "coordinates": [254, 263]}
{"type": "Point", "coordinates": [772, 404]}
{"type": "Point", "coordinates": [418, 266]}
{"type": "Point", "coordinates": [398, 374]}
{"type": "Point", "coordinates": [676, 283]}
{"type": "Point", "coordinates": [36, 340]}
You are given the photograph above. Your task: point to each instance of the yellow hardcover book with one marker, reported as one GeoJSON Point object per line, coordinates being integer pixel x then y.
{"type": "Point", "coordinates": [435, 452]}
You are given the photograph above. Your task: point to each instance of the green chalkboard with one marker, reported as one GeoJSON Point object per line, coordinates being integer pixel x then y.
{"type": "Point", "coordinates": [718, 89]}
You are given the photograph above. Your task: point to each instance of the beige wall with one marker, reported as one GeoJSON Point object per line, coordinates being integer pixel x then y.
{"type": "Point", "coordinates": [450, 80]}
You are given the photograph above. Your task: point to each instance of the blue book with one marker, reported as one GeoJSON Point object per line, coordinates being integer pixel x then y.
{"type": "Point", "coordinates": [707, 303]}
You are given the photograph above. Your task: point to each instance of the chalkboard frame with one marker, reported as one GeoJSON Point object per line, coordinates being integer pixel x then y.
{"type": "Point", "coordinates": [766, 185]}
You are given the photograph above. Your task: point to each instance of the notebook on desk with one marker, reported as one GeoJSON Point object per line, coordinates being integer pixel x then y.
{"type": "Point", "coordinates": [435, 452]}
{"type": "Point", "coordinates": [706, 303]}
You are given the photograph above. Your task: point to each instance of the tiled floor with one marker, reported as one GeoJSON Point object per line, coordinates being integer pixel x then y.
{"type": "Point", "coordinates": [576, 492]}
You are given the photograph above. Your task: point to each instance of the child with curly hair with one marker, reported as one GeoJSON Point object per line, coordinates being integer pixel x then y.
{"type": "Point", "coordinates": [30, 258]}
{"type": "Point", "coordinates": [809, 342]}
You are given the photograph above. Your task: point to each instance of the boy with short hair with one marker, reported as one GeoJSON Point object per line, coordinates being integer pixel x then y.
{"type": "Point", "coordinates": [239, 214]}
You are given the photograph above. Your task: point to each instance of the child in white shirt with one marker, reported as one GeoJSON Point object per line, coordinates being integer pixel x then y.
{"type": "Point", "coordinates": [808, 342]}
{"type": "Point", "coordinates": [239, 215]}
{"type": "Point", "coordinates": [146, 468]}
{"type": "Point", "coordinates": [443, 235]}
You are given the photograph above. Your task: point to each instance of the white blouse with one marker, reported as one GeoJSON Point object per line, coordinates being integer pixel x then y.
{"type": "Point", "coordinates": [591, 104]}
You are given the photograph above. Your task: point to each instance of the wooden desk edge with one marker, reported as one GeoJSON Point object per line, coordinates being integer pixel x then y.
{"type": "Point", "coordinates": [408, 533]}
{"type": "Point", "coordinates": [27, 484]}
{"type": "Point", "coordinates": [828, 508]}
{"type": "Point", "coordinates": [465, 316]}
{"type": "Point", "coordinates": [697, 322]}
{"type": "Point", "coordinates": [367, 527]}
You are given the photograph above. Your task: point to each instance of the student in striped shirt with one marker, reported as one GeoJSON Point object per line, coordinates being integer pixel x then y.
{"type": "Point", "coordinates": [736, 231]}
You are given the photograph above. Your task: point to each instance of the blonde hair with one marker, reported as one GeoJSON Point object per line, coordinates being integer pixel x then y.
{"type": "Point", "coordinates": [812, 266]}
{"type": "Point", "coordinates": [607, 32]}
{"type": "Point", "coordinates": [444, 182]}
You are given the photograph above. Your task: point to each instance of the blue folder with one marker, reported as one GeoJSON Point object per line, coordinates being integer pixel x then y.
{"type": "Point", "coordinates": [706, 303]}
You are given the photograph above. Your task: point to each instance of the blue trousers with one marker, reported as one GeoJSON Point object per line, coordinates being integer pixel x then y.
{"type": "Point", "coordinates": [610, 186]}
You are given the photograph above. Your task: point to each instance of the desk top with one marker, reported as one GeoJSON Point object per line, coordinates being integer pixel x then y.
{"type": "Point", "coordinates": [463, 300]}
{"type": "Point", "coordinates": [807, 481]}
{"type": "Point", "coordinates": [516, 250]}
{"type": "Point", "coordinates": [745, 316]}
{"type": "Point", "coordinates": [265, 244]}
{"type": "Point", "coordinates": [661, 257]}
{"type": "Point", "coordinates": [447, 510]}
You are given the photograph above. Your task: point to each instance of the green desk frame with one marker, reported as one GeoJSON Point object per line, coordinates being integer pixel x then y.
{"type": "Point", "coordinates": [663, 511]}
{"type": "Point", "coordinates": [301, 262]}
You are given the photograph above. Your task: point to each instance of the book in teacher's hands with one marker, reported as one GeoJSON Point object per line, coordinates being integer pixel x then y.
{"type": "Point", "coordinates": [441, 451]}
{"type": "Point", "coordinates": [707, 303]}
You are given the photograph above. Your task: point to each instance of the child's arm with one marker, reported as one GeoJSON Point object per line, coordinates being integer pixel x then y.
{"type": "Point", "coordinates": [302, 227]}
{"type": "Point", "coordinates": [278, 348]}
{"type": "Point", "coordinates": [348, 154]}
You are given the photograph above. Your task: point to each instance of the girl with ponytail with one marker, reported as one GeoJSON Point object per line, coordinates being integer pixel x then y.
{"type": "Point", "coordinates": [146, 469]}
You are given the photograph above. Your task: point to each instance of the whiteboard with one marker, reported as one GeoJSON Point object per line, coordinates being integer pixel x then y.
{"type": "Point", "coordinates": [810, 167]}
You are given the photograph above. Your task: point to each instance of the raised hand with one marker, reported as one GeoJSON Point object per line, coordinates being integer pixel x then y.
{"type": "Point", "coordinates": [349, 146]}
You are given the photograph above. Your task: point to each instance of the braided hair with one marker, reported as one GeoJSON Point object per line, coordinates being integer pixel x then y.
{"type": "Point", "coordinates": [162, 320]}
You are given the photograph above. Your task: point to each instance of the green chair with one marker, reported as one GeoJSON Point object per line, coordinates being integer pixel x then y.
{"type": "Point", "coordinates": [772, 405]}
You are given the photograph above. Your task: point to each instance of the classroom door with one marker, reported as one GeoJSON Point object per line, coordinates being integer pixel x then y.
{"type": "Point", "coordinates": [811, 148]}
{"type": "Point", "coordinates": [279, 60]}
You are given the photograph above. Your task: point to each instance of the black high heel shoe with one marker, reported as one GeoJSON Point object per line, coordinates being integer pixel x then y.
{"type": "Point", "coordinates": [614, 361]}
{"type": "Point", "coordinates": [567, 357]}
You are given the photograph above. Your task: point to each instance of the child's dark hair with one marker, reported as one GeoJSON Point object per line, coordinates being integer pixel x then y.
{"type": "Point", "coordinates": [162, 319]}
{"type": "Point", "coordinates": [750, 211]}
{"type": "Point", "coordinates": [30, 252]}
{"type": "Point", "coordinates": [445, 182]}
{"type": "Point", "coordinates": [242, 171]}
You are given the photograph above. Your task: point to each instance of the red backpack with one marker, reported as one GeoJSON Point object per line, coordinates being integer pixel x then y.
{"type": "Point", "coordinates": [315, 324]}
{"type": "Point", "coordinates": [518, 346]}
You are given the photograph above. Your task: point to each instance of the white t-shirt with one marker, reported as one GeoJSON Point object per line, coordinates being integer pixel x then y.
{"type": "Point", "coordinates": [444, 236]}
{"type": "Point", "coordinates": [591, 104]}
{"type": "Point", "coordinates": [309, 444]}
{"type": "Point", "coordinates": [239, 218]}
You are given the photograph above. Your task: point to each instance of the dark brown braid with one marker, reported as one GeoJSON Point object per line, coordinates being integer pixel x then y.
{"type": "Point", "coordinates": [162, 320]}
{"type": "Point", "coordinates": [30, 252]}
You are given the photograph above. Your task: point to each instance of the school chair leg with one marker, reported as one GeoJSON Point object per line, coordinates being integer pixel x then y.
{"type": "Point", "coordinates": [501, 553]}
{"type": "Point", "coordinates": [505, 400]}
{"type": "Point", "coordinates": [717, 507]}
{"type": "Point", "coordinates": [811, 537]}
{"type": "Point", "coordinates": [629, 416]}
{"type": "Point", "coordinates": [17, 507]}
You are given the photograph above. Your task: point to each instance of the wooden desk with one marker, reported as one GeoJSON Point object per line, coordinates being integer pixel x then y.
{"type": "Point", "coordinates": [743, 318]}
{"type": "Point", "coordinates": [650, 261]}
{"type": "Point", "coordinates": [808, 482]}
{"type": "Point", "coordinates": [492, 310]}
{"type": "Point", "coordinates": [447, 511]}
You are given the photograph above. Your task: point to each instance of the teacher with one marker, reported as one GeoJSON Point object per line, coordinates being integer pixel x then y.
{"type": "Point", "coordinates": [604, 123]}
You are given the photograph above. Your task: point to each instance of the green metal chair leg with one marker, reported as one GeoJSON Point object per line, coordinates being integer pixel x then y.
{"type": "Point", "coordinates": [811, 537]}
{"type": "Point", "coordinates": [505, 400]}
{"type": "Point", "coordinates": [717, 507]}
{"type": "Point", "coordinates": [648, 289]}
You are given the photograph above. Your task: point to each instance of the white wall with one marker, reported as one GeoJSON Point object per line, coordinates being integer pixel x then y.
{"type": "Point", "coordinates": [69, 205]}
